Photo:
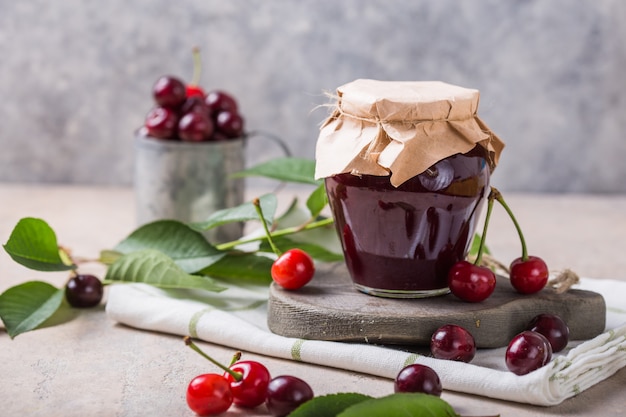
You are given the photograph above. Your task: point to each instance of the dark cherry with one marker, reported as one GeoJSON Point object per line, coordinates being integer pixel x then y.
{"type": "Point", "coordinates": [169, 91]}
{"type": "Point", "coordinates": [219, 136]}
{"type": "Point", "coordinates": [229, 123]}
{"type": "Point", "coordinates": [418, 378]}
{"type": "Point", "coordinates": [285, 393]}
{"type": "Point", "coordinates": [195, 104]}
{"type": "Point", "coordinates": [218, 100]}
{"type": "Point", "coordinates": [195, 127]}
{"type": "Point", "coordinates": [251, 390]}
{"type": "Point", "coordinates": [453, 342]}
{"type": "Point", "coordinates": [470, 282]}
{"type": "Point", "coordinates": [553, 328]}
{"type": "Point", "coordinates": [527, 352]}
{"type": "Point", "coordinates": [84, 291]}
{"type": "Point", "coordinates": [528, 276]}
{"type": "Point", "coordinates": [142, 132]}
{"type": "Point", "coordinates": [161, 122]}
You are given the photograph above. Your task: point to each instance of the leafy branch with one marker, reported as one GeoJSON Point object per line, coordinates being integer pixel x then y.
{"type": "Point", "coordinates": [172, 254]}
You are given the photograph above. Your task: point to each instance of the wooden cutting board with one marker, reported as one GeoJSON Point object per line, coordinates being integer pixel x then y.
{"type": "Point", "coordinates": [330, 308]}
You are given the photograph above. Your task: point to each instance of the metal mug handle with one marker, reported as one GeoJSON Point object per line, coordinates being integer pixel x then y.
{"type": "Point", "coordinates": [278, 141]}
{"type": "Point", "coordinates": [272, 137]}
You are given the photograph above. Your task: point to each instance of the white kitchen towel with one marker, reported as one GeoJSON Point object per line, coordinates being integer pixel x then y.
{"type": "Point", "coordinates": [237, 318]}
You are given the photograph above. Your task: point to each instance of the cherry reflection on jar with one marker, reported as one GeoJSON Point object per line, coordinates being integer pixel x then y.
{"type": "Point", "coordinates": [401, 242]}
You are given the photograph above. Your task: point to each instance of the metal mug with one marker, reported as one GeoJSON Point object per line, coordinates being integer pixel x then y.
{"type": "Point", "coordinates": [189, 181]}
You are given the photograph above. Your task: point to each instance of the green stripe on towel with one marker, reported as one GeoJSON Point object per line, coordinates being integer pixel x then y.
{"type": "Point", "coordinates": [296, 350]}
{"type": "Point", "coordinates": [193, 323]}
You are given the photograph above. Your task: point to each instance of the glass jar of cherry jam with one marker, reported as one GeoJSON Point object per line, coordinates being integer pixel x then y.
{"type": "Point", "coordinates": [407, 166]}
{"type": "Point", "coordinates": [401, 241]}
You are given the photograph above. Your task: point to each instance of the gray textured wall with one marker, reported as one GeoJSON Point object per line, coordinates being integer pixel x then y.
{"type": "Point", "coordinates": [75, 76]}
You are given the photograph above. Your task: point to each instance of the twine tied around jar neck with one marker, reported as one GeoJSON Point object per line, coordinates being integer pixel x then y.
{"type": "Point", "coordinates": [374, 149]}
{"type": "Point", "coordinates": [340, 112]}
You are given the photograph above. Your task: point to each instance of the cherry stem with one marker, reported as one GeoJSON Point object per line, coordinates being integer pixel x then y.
{"type": "Point", "coordinates": [78, 261]}
{"type": "Point", "coordinates": [282, 232]}
{"type": "Point", "coordinates": [483, 237]}
{"type": "Point", "coordinates": [66, 256]}
{"type": "Point", "coordinates": [236, 375]}
{"type": "Point", "coordinates": [197, 66]}
{"type": "Point", "coordinates": [235, 358]}
{"type": "Point", "coordinates": [257, 206]}
{"type": "Point", "coordinates": [500, 199]}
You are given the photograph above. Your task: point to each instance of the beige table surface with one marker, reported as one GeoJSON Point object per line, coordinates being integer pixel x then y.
{"type": "Point", "coordinates": [91, 366]}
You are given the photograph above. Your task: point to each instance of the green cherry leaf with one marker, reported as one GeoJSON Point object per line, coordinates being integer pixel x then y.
{"type": "Point", "coordinates": [26, 306]}
{"type": "Point", "coordinates": [328, 405]}
{"type": "Point", "coordinates": [475, 246]}
{"type": "Point", "coordinates": [33, 244]}
{"type": "Point", "coordinates": [152, 267]}
{"type": "Point", "coordinates": [187, 247]}
{"type": "Point", "coordinates": [241, 213]}
{"type": "Point", "coordinates": [401, 404]}
{"type": "Point", "coordinates": [317, 201]}
{"type": "Point", "coordinates": [287, 169]}
{"type": "Point", "coordinates": [238, 267]}
{"type": "Point", "coordinates": [291, 211]}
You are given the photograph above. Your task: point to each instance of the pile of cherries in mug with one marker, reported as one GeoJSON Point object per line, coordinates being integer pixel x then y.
{"type": "Point", "coordinates": [192, 116]}
{"type": "Point", "coordinates": [185, 112]}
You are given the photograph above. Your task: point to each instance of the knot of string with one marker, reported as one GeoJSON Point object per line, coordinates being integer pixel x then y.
{"type": "Point", "coordinates": [378, 121]}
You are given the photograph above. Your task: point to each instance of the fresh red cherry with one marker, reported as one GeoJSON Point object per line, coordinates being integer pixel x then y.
{"type": "Point", "coordinates": [84, 291]}
{"type": "Point", "coordinates": [453, 342]}
{"type": "Point", "coordinates": [250, 390]}
{"type": "Point", "coordinates": [169, 91]}
{"type": "Point", "coordinates": [229, 123]}
{"type": "Point", "coordinates": [286, 393]}
{"type": "Point", "coordinates": [248, 380]}
{"type": "Point", "coordinates": [528, 276]}
{"type": "Point", "coordinates": [218, 100]}
{"type": "Point", "coordinates": [553, 328]}
{"type": "Point", "coordinates": [209, 395]}
{"type": "Point", "coordinates": [193, 88]}
{"type": "Point", "coordinates": [293, 269]}
{"type": "Point", "coordinates": [195, 127]}
{"type": "Point", "coordinates": [527, 352]}
{"type": "Point", "coordinates": [161, 122]}
{"type": "Point", "coordinates": [194, 91]}
{"type": "Point", "coordinates": [470, 282]}
{"type": "Point", "coordinates": [418, 378]}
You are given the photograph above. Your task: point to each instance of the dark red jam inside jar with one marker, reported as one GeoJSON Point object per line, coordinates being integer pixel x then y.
{"type": "Point", "coordinates": [401, 242]}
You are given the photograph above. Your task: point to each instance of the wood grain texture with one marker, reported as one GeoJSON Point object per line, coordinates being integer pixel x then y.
{"type": "Point", "coordinates": [330, 308]}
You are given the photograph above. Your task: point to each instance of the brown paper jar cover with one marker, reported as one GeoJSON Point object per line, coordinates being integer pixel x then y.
{"type": "Point", "coordinates": [400, 128]}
